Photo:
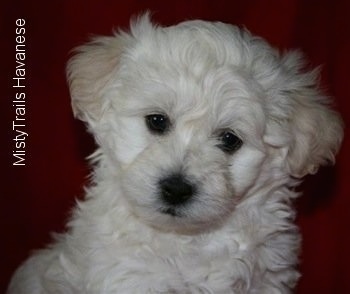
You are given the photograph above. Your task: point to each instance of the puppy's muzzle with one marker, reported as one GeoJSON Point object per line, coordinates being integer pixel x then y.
{"type": "Point", "coordinates": [175, 191]}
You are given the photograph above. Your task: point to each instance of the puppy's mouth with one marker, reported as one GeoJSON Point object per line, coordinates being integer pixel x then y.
{"type": "Point", "coordinates": [171, 211]}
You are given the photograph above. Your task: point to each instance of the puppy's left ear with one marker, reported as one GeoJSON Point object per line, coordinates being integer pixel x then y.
{"type": "Point", "coordinates": [88, 72]}
{"type": "Point", "coordinates": [316, 130]}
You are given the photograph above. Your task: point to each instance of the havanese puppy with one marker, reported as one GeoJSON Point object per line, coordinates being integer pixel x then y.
{"type": "Point", "coordinates": [204, 131]}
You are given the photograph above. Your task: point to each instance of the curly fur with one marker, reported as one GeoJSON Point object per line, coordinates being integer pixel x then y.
{"type": "Point", "coordinates": [237, 235]}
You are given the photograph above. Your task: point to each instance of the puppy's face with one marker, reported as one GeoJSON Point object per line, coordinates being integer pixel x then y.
{"type": "Point", "coordinates": [193, 118]}
{"type": "Point", "coordinates": [188, 146]}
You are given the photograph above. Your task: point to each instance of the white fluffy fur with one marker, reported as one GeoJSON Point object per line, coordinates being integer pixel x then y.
{"type": "Point", "coordinates": [238, 235]}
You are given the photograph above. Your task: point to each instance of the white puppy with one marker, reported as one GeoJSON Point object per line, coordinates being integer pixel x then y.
{"type": "Point", "coordinates": [204, 131]}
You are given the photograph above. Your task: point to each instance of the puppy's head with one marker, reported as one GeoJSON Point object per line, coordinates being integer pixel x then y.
{"type": "Point", "coordinates": [193, 118]}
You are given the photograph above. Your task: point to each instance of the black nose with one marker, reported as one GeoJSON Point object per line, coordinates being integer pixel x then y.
{"type": "Point", "coordinates": [176, 190]}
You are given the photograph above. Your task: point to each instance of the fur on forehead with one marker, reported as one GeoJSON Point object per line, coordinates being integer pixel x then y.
{"type": "Point", "coordinates": [188, 44]}
{"type": "Point", "coordinates": [210, 64]}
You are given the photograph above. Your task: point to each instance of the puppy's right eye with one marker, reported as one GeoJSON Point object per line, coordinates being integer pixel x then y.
{"type": "Point", "coordinates": [157, 123]}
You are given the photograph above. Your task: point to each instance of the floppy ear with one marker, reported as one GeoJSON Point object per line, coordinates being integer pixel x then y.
{"type": "Point", "coordinates": [317, 132]}
{"type": "Point", "coordinates": [88, 72]}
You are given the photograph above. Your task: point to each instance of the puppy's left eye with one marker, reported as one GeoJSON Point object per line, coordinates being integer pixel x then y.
{"type": "Point", "coordinates": [157, 123]}
{"type": "Point", "coordinates": [229, 141]}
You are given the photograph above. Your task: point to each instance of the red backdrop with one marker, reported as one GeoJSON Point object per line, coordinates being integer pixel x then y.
{"type": "Point", "coordinates": [36, 198]}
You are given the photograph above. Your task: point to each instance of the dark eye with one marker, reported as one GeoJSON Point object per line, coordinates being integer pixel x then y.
{"type": "Point", "coordinates": [229, 141]}
{"type": "Point", "coordinates": [157, 123]}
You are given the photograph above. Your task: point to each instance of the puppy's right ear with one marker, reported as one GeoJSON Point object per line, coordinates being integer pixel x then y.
{"type": "Point", "coordinates": [88, 72]}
